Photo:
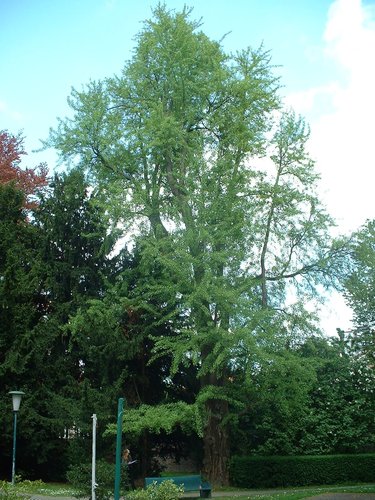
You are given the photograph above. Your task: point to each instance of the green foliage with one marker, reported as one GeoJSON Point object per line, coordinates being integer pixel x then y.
{"type": "Point", "coordinates": [283, 385]}
{"type": "Point", "coordinates": [8, 491]}
{"type": "Point", "coordinates": [167, 490]}
{"type": "Point", "coordinates": [79, 476]}
{"type": "Point", "coordinates": [74, 250]}
{"type": "Point", "coordinates": [359, 290]}
{"type": "Point", "coordinates": [268, 472]}
{"type": "Point", "coordinates": [189, 152]}
{"type": "Point", "coordinates": [175, 141]}
{"type": "Point", "coordinates": [163, 417]}
{"type": "Point", "coordinates": [20, 273]}
{"type": "Point", "coordinates": [293, 399]}
{"type": "Point", "coordinates": [50, 267]}
{"type": "Point", "coordinates": [27, 486]}
{"type": "Point", "coordinates": [344, 387]}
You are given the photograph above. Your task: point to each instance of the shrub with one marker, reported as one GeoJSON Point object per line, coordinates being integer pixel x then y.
{"type": "Point", "coordinates": [167, 490]}
{"type": "Point", "coordinates": [79, 476]}
{"type": "Point", "coordinates": [268, 472]}
{"type": "Point", "coordinates": [25, 486]}
{"type": "Point", "coordinates": [8, 491]}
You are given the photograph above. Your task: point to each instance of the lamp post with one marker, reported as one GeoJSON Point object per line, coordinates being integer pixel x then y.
{"type": "Point", "coordinates": [16, 400]}
{"type": "Point", "coordinates": [120, 409]}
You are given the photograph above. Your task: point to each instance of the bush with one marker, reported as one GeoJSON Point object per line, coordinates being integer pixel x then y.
{"type": "Point", "coordinates": [167, 490]}
{"type": "Point", "coordinates": [269, 472]}
{"type": "Point", "coordinates": [25, 485]}
{"type": "Point", "coordinates": [79, 476]}
{"type": "Point", "coordinates": [8, 491]}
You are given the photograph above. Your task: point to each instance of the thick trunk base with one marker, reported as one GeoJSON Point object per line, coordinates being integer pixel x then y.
{"type": "Point", "coordinates": [216, 444]}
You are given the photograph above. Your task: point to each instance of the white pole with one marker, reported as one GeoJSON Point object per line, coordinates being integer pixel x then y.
{"type": "Point", "coordinates": [93, 478]}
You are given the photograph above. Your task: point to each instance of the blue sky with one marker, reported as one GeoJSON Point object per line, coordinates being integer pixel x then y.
{"type": "Point", "coordinates": [48, 46]}
{"type": "Point", "coordinates": [325, 50]}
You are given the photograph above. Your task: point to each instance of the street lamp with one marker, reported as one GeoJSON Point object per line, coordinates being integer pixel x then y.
{"type": "Point", "coordinates": [16, 400]}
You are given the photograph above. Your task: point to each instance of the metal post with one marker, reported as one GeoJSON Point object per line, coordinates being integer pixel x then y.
{"type": "Point", "coordinates": [93, 471]}
{"type": "Point", "coordinates": [14, 447]}
{"type": "Point", "coordinates": [118, 448]}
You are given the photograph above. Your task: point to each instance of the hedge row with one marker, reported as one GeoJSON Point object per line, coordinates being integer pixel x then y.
{"type": "Point", "coordinates": [268, 472]}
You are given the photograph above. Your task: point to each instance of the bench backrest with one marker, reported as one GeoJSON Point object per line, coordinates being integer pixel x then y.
{"type": "Point", "coordinates": [190, 483]}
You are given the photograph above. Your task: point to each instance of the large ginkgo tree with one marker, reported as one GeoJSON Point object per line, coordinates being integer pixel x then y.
{"type": "Point", "coordinates": [194, 153]}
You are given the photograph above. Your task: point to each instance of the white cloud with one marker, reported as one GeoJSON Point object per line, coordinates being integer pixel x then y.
{"type": "Point", "coordinates": [306, 101]}
{"type": "Point", "coordinates": [350, 34]}
{"type": "Point", "coordinates": [335, 314]}
{"type": "Point", "coordinates": [343, 114]}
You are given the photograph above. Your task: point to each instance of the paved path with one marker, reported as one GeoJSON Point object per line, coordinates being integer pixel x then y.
{"type": "Point", "coordinates": [343, 496]}
{"type": "Point", "coordinates": [323, 496]}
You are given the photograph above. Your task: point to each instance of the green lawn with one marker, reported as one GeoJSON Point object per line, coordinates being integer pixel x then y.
{"type": "Point", "coordinates": [296, 493]}
{"type": "Point", "coordinates": [58, 489]}
{"type": "Point", "coordinates": [37, 488]}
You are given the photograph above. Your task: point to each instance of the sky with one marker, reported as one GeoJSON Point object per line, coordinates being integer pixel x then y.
{"type": "Point", "coordinates": [323, 50]}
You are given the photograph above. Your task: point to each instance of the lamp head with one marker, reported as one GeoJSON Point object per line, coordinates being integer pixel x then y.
{"type": "Point", "coordinates": [16, 399]}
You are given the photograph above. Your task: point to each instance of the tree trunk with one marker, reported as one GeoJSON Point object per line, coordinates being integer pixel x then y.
{"type": "Point", "coordinates": [216, 443]}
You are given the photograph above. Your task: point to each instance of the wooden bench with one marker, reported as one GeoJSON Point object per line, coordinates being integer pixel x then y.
{"type": "Point", "coordinates": [189, 483]}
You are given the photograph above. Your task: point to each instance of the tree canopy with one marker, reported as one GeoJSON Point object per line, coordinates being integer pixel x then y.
{"type": "Point", "coordinates": [199, 160]}
{"type": "Point", "coordinates": [359, 289]}
{"type": "Point", "coordinates": [28, 180]}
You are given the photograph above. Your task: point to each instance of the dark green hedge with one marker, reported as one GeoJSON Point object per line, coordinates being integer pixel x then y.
{"type": "Point", "coordinates": [268, 472]}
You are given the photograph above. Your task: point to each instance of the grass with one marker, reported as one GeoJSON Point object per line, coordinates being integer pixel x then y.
{"type": "Point", "coordinates": [290, 493]}
{"type": "Point", "coordinates": [60, 489]}
{"type": "Point", "coordinates": [41, 488]}
{"type": "Point", "coordinates": [296, 493]}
